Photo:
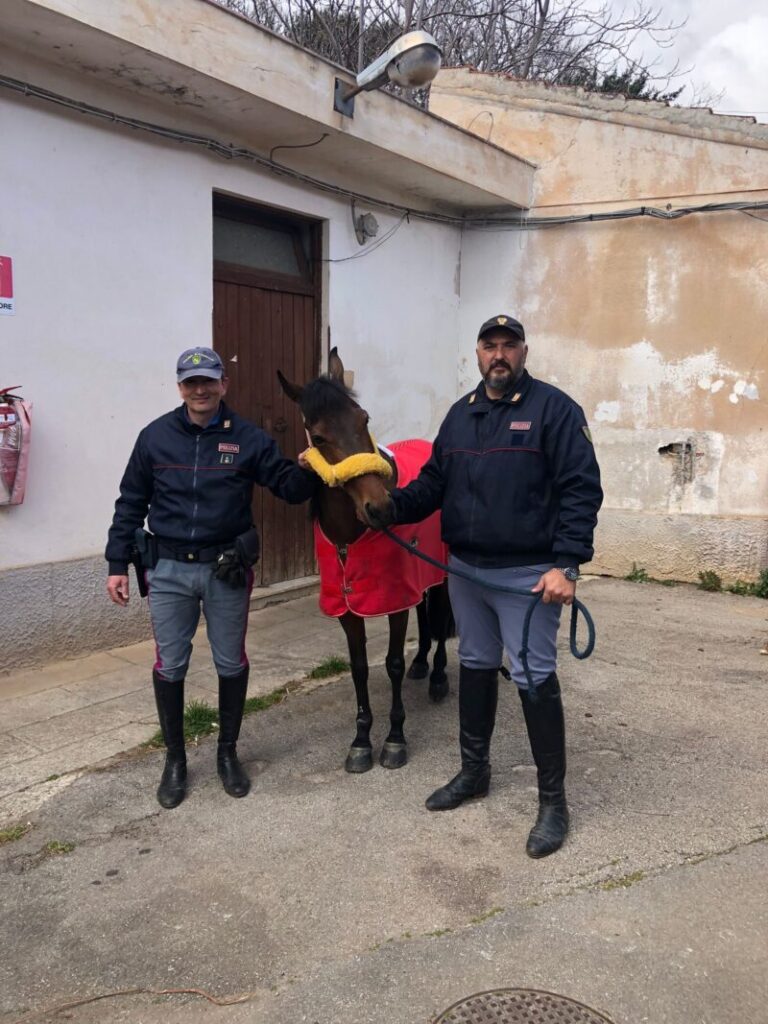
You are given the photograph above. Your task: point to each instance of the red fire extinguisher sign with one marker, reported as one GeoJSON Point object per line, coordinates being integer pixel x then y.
{"type": "Point", "coordinates": [6, 285]}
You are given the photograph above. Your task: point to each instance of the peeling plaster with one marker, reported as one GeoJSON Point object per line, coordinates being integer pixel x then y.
{"type": "Point", "coordinates": [607, 412]}
{"type": "Point", "coordinates": [647, 378]}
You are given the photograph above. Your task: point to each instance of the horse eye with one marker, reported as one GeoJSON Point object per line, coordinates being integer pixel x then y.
{"type": "Point", "coordinates": [317, 440]}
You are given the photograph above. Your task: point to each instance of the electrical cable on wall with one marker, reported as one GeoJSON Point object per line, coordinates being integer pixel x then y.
{"type": "Point", "coordinates": [520, 222]}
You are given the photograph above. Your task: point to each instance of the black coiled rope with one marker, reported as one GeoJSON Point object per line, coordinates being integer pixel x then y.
{"type": "Point", "coordinates": [576, 607]}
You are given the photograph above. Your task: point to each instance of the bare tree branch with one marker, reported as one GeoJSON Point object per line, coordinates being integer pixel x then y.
{"type": "Point", "coordinates": [590, 43]}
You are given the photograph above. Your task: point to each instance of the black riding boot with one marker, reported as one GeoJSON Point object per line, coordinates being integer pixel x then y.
{"type": "Point", "coordinates": [232, 690]}
{"type": "Point", "coordinates": [170, 711]}
{"type": "Point", "coordinates": [546, 731]}
{"type": "Point", "coordinates": [478, 696]}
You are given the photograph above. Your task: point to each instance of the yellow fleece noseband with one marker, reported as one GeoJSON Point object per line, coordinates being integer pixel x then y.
{"type": "Point", "coordinates": [346, 470]}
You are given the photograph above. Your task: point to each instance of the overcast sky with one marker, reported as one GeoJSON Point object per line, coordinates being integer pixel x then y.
{"type": "Point", "coordinates": [726, 44]}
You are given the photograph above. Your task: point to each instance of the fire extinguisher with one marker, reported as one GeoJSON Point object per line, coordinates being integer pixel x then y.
{"type": "Point", "coordinates": [15, 422]}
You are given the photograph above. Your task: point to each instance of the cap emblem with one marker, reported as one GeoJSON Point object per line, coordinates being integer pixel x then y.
{"type": "Point", "coordinates": [501, 320]}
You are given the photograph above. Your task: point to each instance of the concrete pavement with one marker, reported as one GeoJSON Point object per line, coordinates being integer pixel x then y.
{"type": "Point", "coordinates": [331, 898]}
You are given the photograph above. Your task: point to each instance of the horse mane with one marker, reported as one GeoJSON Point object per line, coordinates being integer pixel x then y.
{"type": "Point", "coordinates": [325, 396]}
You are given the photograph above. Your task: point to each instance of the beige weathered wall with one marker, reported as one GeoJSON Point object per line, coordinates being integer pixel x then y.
{"type": "Point", "coordinates": [659, 329]}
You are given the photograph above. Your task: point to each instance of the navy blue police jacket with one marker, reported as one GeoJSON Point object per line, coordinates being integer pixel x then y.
{"type": "Point", "coordinates": [516, 479]}
{"type": "Point", "coordinates": [197, 483]}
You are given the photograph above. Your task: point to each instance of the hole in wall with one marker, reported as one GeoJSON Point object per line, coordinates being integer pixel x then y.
{"type": "Point", "coordinates": [681, 452]}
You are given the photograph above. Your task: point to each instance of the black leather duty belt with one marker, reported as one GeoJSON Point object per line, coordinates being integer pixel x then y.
{"type": "Point", "coordinates": [190, 554]}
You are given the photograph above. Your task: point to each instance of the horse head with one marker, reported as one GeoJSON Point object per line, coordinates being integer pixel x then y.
{"type": "Point", "coordinates": [342, 450]}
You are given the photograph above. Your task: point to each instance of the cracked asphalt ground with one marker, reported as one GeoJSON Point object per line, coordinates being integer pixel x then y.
{"type": "Point", "coordinates": [331, 898]}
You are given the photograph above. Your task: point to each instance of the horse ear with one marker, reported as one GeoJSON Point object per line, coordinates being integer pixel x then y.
{"type": "Point", "coordinates": [293, 391]}
{"type": "Point", "coordinates": [335, 366]}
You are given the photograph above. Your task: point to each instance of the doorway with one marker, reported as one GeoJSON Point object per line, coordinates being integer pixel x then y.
{"type": "Point", "coordinates": [266, 313]}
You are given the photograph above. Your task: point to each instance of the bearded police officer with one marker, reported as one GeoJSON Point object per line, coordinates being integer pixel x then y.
{"type": "Point", "coordinates": [193, 470]}
{"type": "Point", "coordinates": [514, 472]}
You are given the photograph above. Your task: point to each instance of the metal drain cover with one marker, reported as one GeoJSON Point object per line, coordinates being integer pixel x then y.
{"type": "Point", "coordinates": [520, 1006]}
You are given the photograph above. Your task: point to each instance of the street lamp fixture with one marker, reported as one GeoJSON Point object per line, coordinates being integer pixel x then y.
{"type": "Point", "coordinates": [411, 62]}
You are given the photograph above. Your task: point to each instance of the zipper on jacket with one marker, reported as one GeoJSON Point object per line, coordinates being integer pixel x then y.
{"type": "Point", "coordinates": [194, 486]}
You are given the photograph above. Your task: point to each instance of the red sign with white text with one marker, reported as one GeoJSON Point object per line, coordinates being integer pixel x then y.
{"type": "Point", "coordinates": [6, 285]}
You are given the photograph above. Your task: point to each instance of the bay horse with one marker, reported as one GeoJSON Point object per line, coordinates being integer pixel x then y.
{"type": "Point", "coordinates": [337, 430]}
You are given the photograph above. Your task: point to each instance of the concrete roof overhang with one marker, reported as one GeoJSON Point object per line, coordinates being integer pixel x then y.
{"type": "Point", "coordinates": [206, 69]}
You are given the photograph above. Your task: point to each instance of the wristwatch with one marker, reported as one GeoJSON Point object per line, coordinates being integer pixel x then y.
{"type": "Point", "coordinates": [571, 573]}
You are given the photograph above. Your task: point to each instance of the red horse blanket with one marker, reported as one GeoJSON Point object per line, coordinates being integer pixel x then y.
{"type": "Point", "coordinates": [378, 577]}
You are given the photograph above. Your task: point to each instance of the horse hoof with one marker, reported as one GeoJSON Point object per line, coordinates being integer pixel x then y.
{"type": "Point", "coordinates": [418, 670]}
{"type": "Point", "coordinates": [393, 755]}
{"type": "Point", "coordinates": [438, 690]}
{"type": "Point", "coordinates": [359, 760]}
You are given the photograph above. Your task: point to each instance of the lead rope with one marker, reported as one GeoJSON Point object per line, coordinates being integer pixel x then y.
{"type": "Point", "coordinates": [576, 607]}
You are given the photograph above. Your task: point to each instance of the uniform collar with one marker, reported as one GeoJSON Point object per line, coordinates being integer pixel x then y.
{"type": "Point", "coordinates": [481, 403]}
{"type": "Point", "coordinates": [221, 421]}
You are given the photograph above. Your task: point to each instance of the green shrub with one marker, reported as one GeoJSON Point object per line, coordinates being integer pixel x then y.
{"type": "Point", "coordinates": [761, 587]}
{"type": "Point", "coordinates": [742, 588]}
{"type": "Point", "coordinates": [709, 580]}
{"type": "Point", "coordinates": [637, 574]}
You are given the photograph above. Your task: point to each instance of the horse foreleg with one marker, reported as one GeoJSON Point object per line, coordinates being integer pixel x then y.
{"type": "Point", "coordinates": [394, 753]}
{"type": "Point", "coordinates": [439, 618]}
{"type": "Point", "coordinates": [420, 664]}
{"type": "Point", "coordinates": [359, 759]}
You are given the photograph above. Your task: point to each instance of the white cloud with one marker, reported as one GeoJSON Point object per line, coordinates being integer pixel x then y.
{"type": "Point", "coordinates": [723, 46]}
{"type": "Point", "coordinates": [735, 59]}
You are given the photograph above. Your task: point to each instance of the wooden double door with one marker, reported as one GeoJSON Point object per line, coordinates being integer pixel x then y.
{"type": "Point", "coordinates": [265, 319]}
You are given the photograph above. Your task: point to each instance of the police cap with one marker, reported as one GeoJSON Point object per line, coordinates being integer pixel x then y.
{"type": "Point", "coordinates": [503, 323]}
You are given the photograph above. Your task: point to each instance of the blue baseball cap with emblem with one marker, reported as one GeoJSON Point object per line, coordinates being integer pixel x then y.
{"type": "Point", "coordinates": [199, 362]}
{"type": "Point", "coordinates": [503, 322]}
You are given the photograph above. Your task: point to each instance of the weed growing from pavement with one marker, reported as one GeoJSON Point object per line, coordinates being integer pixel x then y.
{"type": "Point", "coordinates": [10, 835]}
{"type": "Point", "coordinates": [55, 848]}
{"type": "Point", "coordinates": [487, 915]}
{"type": "Point", "coordinates": [710, 581]}
{"type": "Point", "coordinates": [254, 704]}
{"type": "Point", "coordinates": [637, 574]}
{"type": "Point", "coordinates": [332, 666]}
{"type": "Point", "coordinates": [200, 719]}
{"type": "Point", "coordinates": [624, 882]}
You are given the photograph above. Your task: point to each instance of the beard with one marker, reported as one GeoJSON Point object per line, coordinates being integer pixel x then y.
{"type": "Point", "coordinates": [500, 378]}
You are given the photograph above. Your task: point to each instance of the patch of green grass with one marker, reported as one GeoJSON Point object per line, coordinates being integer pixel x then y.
{"type": "Point", "coordinates": [332, 666]}
{"type": "Point", "coordinates": [637, 574]}
{"type": "Point", "coordinates": [710, 581]}
{"type": "Point", "coordinates": [487, 915]}
{"type": "Point", "coordinates": [254, 704]}
{"type": "Point", "coordinates": [669, 583]}
{"type": "Point", "coordinates": [200, 719]}
{"type": "Point", "coordinates": [624, 882]}
{"type": "Point", "coordinates": [10, 835]}
{"type": "Point", "coordinates": [438, 932]}
{"type": "Point", "coordinates": [52, 778]}
{"type": "Point", "coordinates": [56, 848]}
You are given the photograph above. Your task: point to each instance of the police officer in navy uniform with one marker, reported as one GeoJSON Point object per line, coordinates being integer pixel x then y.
{"type": "Point", "coordinates": [193, 470]}
{"type": "Point", "coordinates": [514, 472]}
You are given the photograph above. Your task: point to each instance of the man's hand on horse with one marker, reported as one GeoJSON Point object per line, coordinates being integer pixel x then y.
{"type": "Point", "coordinates": [555, 588]}
{"type": "Point", "coordinates": [381, 517]}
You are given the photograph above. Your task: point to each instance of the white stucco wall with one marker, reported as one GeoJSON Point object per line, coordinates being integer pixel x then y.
{"type": "Point", "coordinates": [110, 233]}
